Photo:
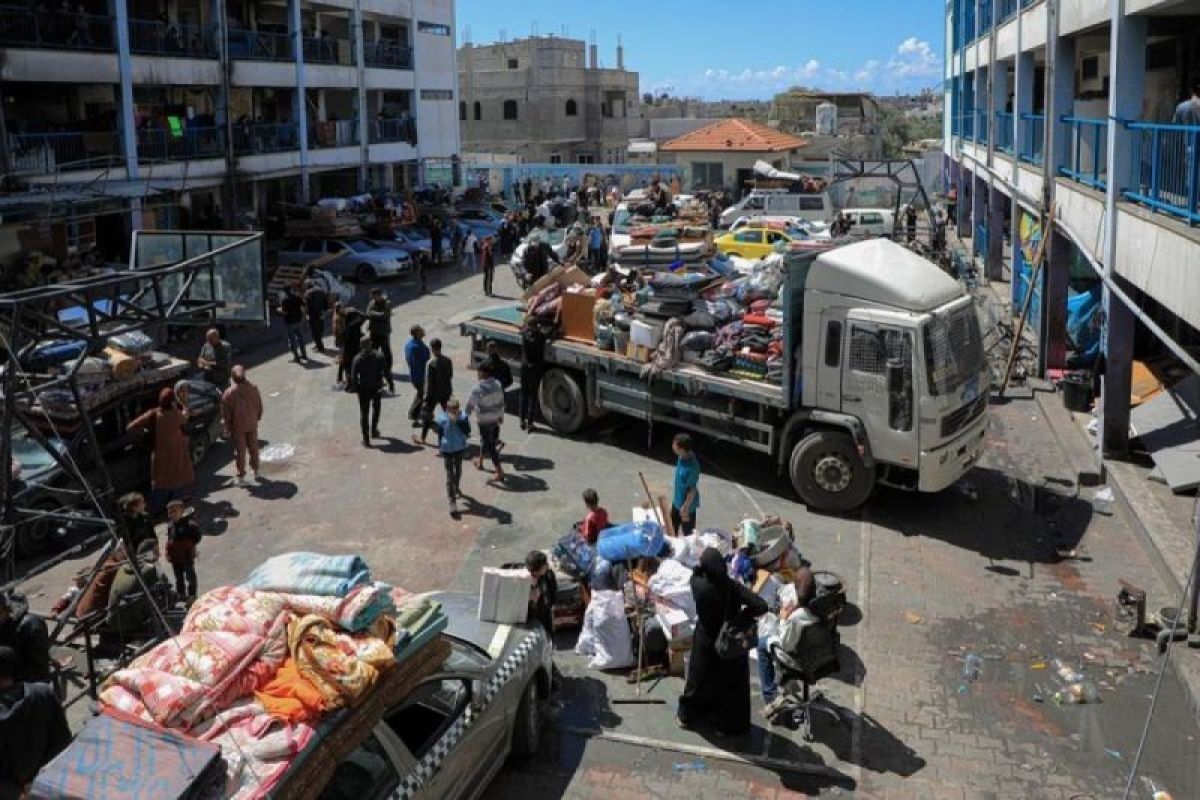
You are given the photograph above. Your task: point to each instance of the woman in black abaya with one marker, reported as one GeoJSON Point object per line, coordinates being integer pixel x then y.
{"type": "Point", "coordinates": [715, 686]}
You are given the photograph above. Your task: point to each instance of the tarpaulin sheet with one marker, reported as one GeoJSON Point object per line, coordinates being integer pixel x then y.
{"type": "Point", "coordinates": [117, 758]}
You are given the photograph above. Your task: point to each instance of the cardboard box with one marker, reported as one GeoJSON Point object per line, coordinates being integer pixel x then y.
{"type": "Point", "coordinates": [645, 334]}
{"type": "Point", "coordinates": [577, 316]}
{"type": "Point", "coordinates": [563, 276]}
{"type": "Point", "coordinates": [641, 355]}
{"type": "Point", "coordinates": [675, 622]}
{"type": "Point", "coordinates": [677, 662]}
{"type": "Point", "coordinates": [504, 595]}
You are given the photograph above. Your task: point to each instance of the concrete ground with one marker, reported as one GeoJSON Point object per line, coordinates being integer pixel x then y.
{"type": "Point", "coordinates": [975, 569]}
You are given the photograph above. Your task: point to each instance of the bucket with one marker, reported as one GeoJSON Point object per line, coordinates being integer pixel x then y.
{"type": "Point", "coordinates": [1077, 391]}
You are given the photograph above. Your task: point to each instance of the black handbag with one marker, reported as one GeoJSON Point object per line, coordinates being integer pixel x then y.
{"type": "Point", "coordinates": [737, 637]}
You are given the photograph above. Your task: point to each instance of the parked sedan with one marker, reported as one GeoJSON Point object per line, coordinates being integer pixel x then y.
{"type": "Point", "coordinates": [483, 221]}
{"type": "Point", "coordinates": [452, 734]}
{"type": "Point", "coordinates": [360, 259]}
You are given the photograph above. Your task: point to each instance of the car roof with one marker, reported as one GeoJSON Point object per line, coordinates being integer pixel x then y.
{"type": "Point", "coordinates": [462, 613]}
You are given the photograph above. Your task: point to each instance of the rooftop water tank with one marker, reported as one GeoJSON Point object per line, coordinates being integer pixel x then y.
{"type": "Point", "coordinates": [826, 119]}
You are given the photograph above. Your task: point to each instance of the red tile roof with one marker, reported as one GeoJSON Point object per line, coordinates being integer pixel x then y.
{"type": "Point", "coordinates": [736, 135]}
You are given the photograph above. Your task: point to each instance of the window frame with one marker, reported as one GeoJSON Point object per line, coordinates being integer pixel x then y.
{"type": "Point", "coordinates": [571, 108]}
{"type": "Point", "coordinates": [511, 112]}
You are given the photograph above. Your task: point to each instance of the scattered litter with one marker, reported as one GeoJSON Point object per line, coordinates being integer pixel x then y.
{"type": "Point", "coordinates": [913, 619]}
{"type": "Point", "coordinates": [1102, 501]}
{"type": "Point", "coordinates": [1039, 694]}
{"type": "Point", "coordinates": [1161, 795]}
{"type": "Point", "coordinates": [1066, 672]}
{"type": "Point", "coordinates": [1077, 694]}
{"type": "Point", "coordinates": [698, 765]}
{"type": "Point", "coordinates": [275, 454]}
{"type": "Point", "coordinates": [1075, 737]}
{"type": "Point", "coordinates": [972, 667]}
{"type": "Point", "coordinates": [273, 394]}
{"type": "Point", "coordinates": [962, 688]}
{"type": "Point", "coordinates": [1115, 754]}
{"type": "Point", "coordinates": [1038, 665]}
{"type": "Point", "coordinates": [1021, 647]}
{"type": "Point", "coordinates": [1067, 553]}
{"type": "Point", "coordinates": [1099, 627]}
{"type": "Point", "coordinates": [967, 489]}
{"type": "Point", "coordinates": [1089, 656]}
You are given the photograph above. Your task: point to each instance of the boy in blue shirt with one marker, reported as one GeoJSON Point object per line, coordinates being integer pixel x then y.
{"type": "Point", "coordinates": [686, 500]}
{"type": "Point", "coordinates": [454, 431]}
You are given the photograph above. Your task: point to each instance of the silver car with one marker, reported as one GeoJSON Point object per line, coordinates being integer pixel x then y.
{"type": "Point", "coordinates": [452, 734]}
{"type": "Point", "coordinates": [359, 259]}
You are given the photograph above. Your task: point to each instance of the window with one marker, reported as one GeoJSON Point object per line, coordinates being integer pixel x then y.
{"type": "Point", "coordinates": [556, 158]}
{"type": "Point", "coordinates": [833, 344]}
{"type": "Point", "coordinates": [428, 712]}
{"type": "Point", "coordinates": [512, 63]}
{"type": "Point", "coordinates": [587, 159]}
{"type": "Point", "coordinates": [775, 236]}
{"type": "Point", "coordinates": [708, 173]}
{"type": "Point", "coordinates": [572, 108]}
{"type": "Point", "coordinates": [1089, 68]}
{"type": "Point", "coordinates": [437, 94]}
{"type": "Point", "coordinates": [510, 109]}
{"type": "Point", "coordinates": [462, 110]}
{"type": "Point", "coordinates": [871, 219]}
{"type": "Point", "coordinates": [361, 246]}
{"type": "Point", "coordinates": [812, 202]}
{"type": "Point", "coordinates": [433, 28]}
{"type": "Point", "coordinates": [748, 237]}
{"type": "Point", "coordinates": [312, 246]}
{"type": "Point", "coordinates": [478, 111]}
{"type": "Point", "coordinates": [754, 203]}
{"type": "Point", "coordinates": [605, 109]}
{"type": "Point", "coordinates": [866, 351]}
{"type": "Point", "coordinates": [366, 774]}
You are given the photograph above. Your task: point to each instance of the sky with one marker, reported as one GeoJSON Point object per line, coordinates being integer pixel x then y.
{"type": "Point", "coordinates": [723, 49]}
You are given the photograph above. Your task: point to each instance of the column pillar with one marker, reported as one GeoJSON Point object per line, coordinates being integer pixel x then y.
{"type": "Point", "coordinates": [120, 14]}
{"type": "Point", "coordinates": [1063, 91]}
{"type": "Point", "coordinates": [296, 36]}
{"type": "Point", "coordinates": [994, 259]}
{"type": "Point", "coordinates": [358, 42]}
{"type": "Point", "coordinates": [1118, 375]}
{"type": "Point", "coordinates": [1053, 346]}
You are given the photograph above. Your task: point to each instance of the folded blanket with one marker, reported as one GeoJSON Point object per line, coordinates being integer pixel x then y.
{"type": "Point", "coordinates": [291, 697]}
{"type": "Point", "coordinates": [310, 573]}
{"type": "Point", "coordinates": [342, 668]}
{"type": "Point", "coordinates": [257, 747]}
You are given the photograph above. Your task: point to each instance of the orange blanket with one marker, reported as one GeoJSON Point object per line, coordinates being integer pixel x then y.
{"type": "Point", "coordinates": [290, 696]}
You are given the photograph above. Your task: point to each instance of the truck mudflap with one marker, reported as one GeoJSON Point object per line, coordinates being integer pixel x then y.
{"type": "Point", "coordinates": [940, 467]}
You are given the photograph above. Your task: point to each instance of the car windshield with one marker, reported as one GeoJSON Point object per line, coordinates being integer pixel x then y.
{"type": "Point", "coordinates": [556, 236]}
{"type": "Point", "coordinates": [361, 245]}
{"type": "Point", "coordinates": [953, 349]}
{"type": "Point", "coordinates": [621, 221]}
{"type": "Point", "coordinates": [32, 456]}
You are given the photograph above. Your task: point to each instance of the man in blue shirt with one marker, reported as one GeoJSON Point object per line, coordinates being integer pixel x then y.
{"type": "Point", "coordinates": [686, 500]}
{"type": "Point", "coordinates": [596, 252]}
{"type": "Point", "coordinates": [417, 356]}
{"type": "Point", "coordinates": [1188, 112]}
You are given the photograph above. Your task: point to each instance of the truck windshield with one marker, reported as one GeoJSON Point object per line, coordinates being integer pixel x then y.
{"type": "Point", "coordinates": [953, 349]}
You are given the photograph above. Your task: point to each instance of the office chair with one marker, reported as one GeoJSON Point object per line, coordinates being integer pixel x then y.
{"type": "Point", "coordinates": [814, 657]}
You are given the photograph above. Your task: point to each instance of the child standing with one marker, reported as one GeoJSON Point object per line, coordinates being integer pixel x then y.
{"type": "Point", "coordinates": [686, 500]}
{"type": "Point", "coordinates": [183, 534]}
{"type": "Point", "coordinates": [544, 591]}
{"type": "Point", "coordinates": [596, 519]}
{"type": "Point", "coordinates": [453, 431]}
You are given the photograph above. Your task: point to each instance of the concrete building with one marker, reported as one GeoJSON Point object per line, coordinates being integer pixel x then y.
{"type": "Point", "coordinates": [546, 100]}
{"type": "Point", "coordinates": [1063, 106]}
{"type": "Point", "coordinates": [723, 154]}
{"type": "Point", "coordinates": [273, 100]}
{"type": "Point", "coordinates": [855, 130]}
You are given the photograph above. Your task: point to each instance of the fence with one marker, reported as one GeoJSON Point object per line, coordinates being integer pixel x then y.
{"type": "Point", "coordinates": [151, 37]}
{"type": "Point", "coordinates": [21, 26]}
{"type": "Point", "coordinates": [387, 54]}
{"type": "Point", "coordinates": [1163, 162]}
{"type": "Point", "coordinates": [1087, 152]}
{"type": "Point", "coordinates": [1033, 134]}
{"type": "Point", "coordinates": [332, 133]}
{"type": "Point", "coordinates": [981, 126]}
{"type": "Point", "coordinates": [1004, 131]}
{"type": "Point", "coordinates": [259, 45]}
{"type": "Point", "coordinates": [274, 137]}
{"type": "Point", "coordinates": [394, 130]}
{"type": "Point", "coordinates": [45, 153]}
{"type": "Point", "coordinates": [181, 145]}
{"type": "Point", "coordinates": [328, 50]}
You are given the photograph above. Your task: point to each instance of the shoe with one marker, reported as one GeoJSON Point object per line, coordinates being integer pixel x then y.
{"type": "Point", "coordinates": [377, 434]}
{"type": "Point", "coordinates": [257, 476]}
{"type": "Point", "coordinates": [418, 440]}
{"type": "Point", "coordinates": [366, 442]}
{"type": "Point", "coordinates": [240, 480]}
{"type": "Point", "coordinates": [453, 507]}
{"type": "Point", "coordinates": [499, 476]}
{"type": "Point", "coordinates": [500, 447]}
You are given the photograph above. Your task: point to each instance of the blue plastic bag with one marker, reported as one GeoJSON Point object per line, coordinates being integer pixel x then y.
{"type": "Point", "coordinates": [631, 540]}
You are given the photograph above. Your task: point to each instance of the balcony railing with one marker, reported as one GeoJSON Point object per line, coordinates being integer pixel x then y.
{"type": "Point", "coordinates": [1006, 9]}
{"type": "Point", "coordinates": [46, 153]}
{"type": "Point", "coordinates": [1033, 135]}
{"type": "Point", "coordinates": [387, 54]}
{"type": "Point", "coordinates": [182, 145]}
{"type": "Point", "coordinates": [328, 50]}
{"type": "Point", "coordinates": [1004, 131]}
{"type": "Point", "coordinates": [265, 137]}
{"type": "Point", "coordinates": [21, 26]}
{"type": "Point", "coordinates": [259, 45]}
{"type": "Point", "coordinates": [985, 17]}
{"type": "Point", "coordinates": [1087, 160]}
{"type": "Point", "coordinates": [981, 127]}
{"type": "Point", "coordinates": [152, 37]}
{"type": "Point", "coordinates": [1164, 163]}
{"type": "Point", "coordinates": [968, 125]}
{"type": "Point", "coordinates": [394, 130]}
{"type": "Point", "coordinates": [333, 133]}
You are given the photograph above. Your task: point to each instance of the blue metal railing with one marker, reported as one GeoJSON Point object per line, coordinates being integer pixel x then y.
{"type": "Point", "coordinates": [152, 37]}
{"type": "Point", "coordinates": [1004, 131]}
{"type": "Point", "coordinates": [188, 143]}
{"type": "Point", "coordinates": [985, 18]}
{"type": "Point", "coordinates": [265, 137]}
{"type": "Point", "coordinates": [46, 153]}
{"type": "Point", "coordinates": [394, 130]}
{"type": "Point", "coordinates": [981, 126]}
{"type": "Point", "coordinates": [259, 45]}
{"type": "Point", "coordinates": [1033, 136]}
{"type": "Point", "coordinates": [1087, 151]}
{"type": "Point", "coordinates": [22, 26]}
{"type": "Point", "coordinates": [383, 53]}
{"type": "Point", "coordinates": [1163, 164]}
{"type": "Point", "coordinates": [328, 50]}
{"type": "Point", "coordinates": [332, 133]}
{"type": "Point", "coordinates": [1006, 9]}
{"type": "Point", "coordinates": [968, 124]}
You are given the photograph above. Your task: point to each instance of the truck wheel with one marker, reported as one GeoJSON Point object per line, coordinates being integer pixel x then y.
{"type": "Point", "coordinates": [562, 401]}
{"type": "Point", "coordinates": [828, 474]}
{"type": "Point", "coordinates": [364, 274]}
{"type": "Point", "coordinates": [198, 447]}
{"type": "Point", "coordinates": [527, 730]}
{"type": "Point", "coordinates": [34, 536]}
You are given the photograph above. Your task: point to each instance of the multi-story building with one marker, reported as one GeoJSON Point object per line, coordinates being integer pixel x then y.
{"type": "Point", "coordinates": [1062, 113]}
{"type": "Point", "coordinates": [852, 129]}
{"type": "Point", "coordinates": [231, 105]}
{"type": "Point", "coordinates": [540, 100]}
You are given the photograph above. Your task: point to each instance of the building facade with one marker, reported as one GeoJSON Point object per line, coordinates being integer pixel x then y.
{"type": "Point", "coordinates": [229, 106]}
{"type": "Point", "coordinates": [722, 155]}
{"type": "Point", "coordinates": [546, 100]}
{"type": "Point", "coordinates": [1061, 111]}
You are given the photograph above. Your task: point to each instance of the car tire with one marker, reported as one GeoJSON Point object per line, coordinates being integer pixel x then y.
{"type": "Point", "coordinates": [562, 402]}
{"type": "Point", "coordinates": [828, 474]}
{"type": "Point", "coordinates": [198, 447]}
{"type": "Point", "coordinates": [34, 537]}
{"type": "Point", "coordinates": [364, 273]}
{"type": "Point", "coordinates": [527, 730]}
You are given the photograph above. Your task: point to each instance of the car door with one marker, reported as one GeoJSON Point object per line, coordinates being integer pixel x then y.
{"type": "Point", "coordinates": [748, 243]}
{"type": "Point", "coordinates": [369, 772]}
{"type": "Point", "coordinates": [773, 238]}
{"type": "Point", "coordinates": [341, 259]}
{"type": "Point", "coordinates": [877, 385]}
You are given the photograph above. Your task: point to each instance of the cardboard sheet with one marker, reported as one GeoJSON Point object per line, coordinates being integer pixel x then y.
{"type": "Point", "coordinates": [1168, 426]}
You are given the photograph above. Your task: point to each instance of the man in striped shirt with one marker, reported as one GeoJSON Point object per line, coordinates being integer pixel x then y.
{"type": "Point", "coordinates": [487, 404]}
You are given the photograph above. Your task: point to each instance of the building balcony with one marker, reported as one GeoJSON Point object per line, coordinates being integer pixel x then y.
{"type": "Point", "coordinates": [21, 26]}
{"type": "Point", "coordinates": [62, 151]}
{"type": "Point", "coordinates": [387, 55]}
{"type": "Point", "coordinates": [328, 50]}
{"type": "Point", "coordinates": [394, 130]}
{"type": "Point", "coordinates": [265, 137]}
{"type": "Point", "coordinates": [1004, 132]}
{"type": "Point", "coordinates": [251, 45]}
{"type": "Point", "coordinates": [1164, 168]}
{"type": "Point", "coordinates": [332, 133]}
{"type": "Point", "coordinates": [149, 37]}
{"type": "Point", "coordinates": [184, 144]}
{"type": "Point", "coordinates": [1087, 143]}
{"type": "Point", "coordinates": [1033, 135]}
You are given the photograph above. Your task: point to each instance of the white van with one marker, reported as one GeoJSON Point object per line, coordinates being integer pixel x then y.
{"type": "Point", "coordinates": [813, 207]}
{"type": "Point", "coordinates": [871, 221]}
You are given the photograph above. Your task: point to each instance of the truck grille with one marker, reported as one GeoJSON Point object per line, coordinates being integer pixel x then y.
{"type": "Point", "coordinates": [956, 420]}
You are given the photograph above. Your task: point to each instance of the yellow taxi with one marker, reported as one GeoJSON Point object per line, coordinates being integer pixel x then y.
{"type": "Point", "coordinates": [753, 241]}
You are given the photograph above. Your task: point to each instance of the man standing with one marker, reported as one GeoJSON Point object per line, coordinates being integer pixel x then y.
{"type": "Point", "coordinates": [26, 634]}
{"type": "Point", "coordinates": [379, 324]}
{"type": "Point", "coordinates": [215, 357]}
{"type": "Point", "coordinates": [33, 727]}
{"type": "Point", "coordinates": [416, 354]}
{"type": "Point", "coordinates": [1188, 112]}
{"type": "Point", "coordinates": [498, 365]}
{"type": "Point", "coordinates": [241, 411]}
{"type": "Point", "coordinates": [538, 256]}
{"type": "Point", "coordinates": [351, 341]}
{"type": "Point", "coordinates": [439, 386]}
{"type": "Point", "coordinates": [596, 246]}
{"type": "Point", "coordinates": [488, 257]}
{"type": "Point", "coordinates": [487, 403]}
{"type": "Point", "coordinates": [316, 304]}
{"type": "Point", "coordinates": [368, 372]}
{"type": "Point", "coordinates": [533, 358]}
{"type": "Point", "coordinates": [686, 499]}
{"type": "Point", "coordinates": [456, 242]}
{"type": "Point", "coordinates": [292, 309]}
{"type": "Point", "coordinates": [469, 243]}
{"type": "Point", "coordinates": [435, 241]}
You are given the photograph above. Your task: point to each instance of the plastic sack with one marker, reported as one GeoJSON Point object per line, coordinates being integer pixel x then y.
{"type": "Point", "coordinates": [631, 540]}
{"type": "Point", "coordinates": [276, 456]}
{"type": "Point", "coordinates": [698, 341]}
{"type": "Point", "coordinates": [715, 538]}
{"type": "Point", "coordinates": [605, 637]}
{"type": "Point", "coordinates": [135, 343]}
{"type": "Point", "coordinates": [573, 556]}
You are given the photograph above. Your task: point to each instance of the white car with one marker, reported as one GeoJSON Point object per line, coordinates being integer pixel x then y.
{"type": "Point", "coordinates": [358, 259]}
{"type": "Point", "coordinates": [871, 221]}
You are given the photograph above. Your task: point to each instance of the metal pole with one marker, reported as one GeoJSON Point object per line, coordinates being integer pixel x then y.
{"type": "Point", "coordinates": [1194, 605]}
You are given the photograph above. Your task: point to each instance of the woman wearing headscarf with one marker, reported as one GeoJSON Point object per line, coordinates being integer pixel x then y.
{"type": "Point", "coordinates": [171, 473]}
{"type": "Point", "coordinates": [715, 686]}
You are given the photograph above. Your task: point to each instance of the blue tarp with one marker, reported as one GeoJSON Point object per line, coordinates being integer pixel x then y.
{"type": "Point", "coordinates": [1083, 325]}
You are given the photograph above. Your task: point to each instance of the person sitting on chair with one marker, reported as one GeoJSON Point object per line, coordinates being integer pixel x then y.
{"type": "Point", "coordinates": [796, 595]}
{"type": "Point", "coordinates": [130, 609]}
